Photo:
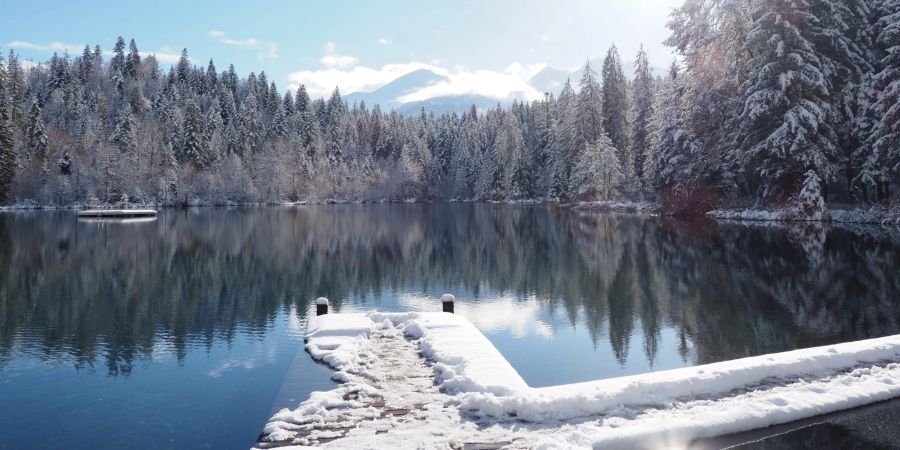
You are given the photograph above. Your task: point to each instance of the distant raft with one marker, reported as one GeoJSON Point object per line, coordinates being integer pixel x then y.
{"type": "Point", "coordinates": [116, 213]}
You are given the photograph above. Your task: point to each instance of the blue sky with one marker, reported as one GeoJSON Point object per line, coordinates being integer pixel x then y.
{"type": "Point", "coordinates": [480, 45]}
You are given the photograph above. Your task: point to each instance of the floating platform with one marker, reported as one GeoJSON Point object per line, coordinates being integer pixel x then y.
{"type": "Point", "coordinates": [116, 213]}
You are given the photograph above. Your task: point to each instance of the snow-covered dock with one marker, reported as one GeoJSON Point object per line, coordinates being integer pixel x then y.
{"type": "Point", "coordinates": [419, 379]}
{"type": "Point", "coordinates": [116, 213]}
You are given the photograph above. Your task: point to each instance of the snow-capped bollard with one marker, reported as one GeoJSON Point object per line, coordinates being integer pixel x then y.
{"type": "Point", "coordinates": [447, 300]}
{"type": "Point", "coordinates": [321, 306]}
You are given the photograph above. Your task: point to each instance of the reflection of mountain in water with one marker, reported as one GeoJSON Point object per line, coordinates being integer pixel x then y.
{"type": "Point", "coordinates": [105, 294]}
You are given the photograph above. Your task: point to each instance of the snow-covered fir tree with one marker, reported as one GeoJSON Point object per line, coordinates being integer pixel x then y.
{"type": "Point", "coordinates": [563, 146]}
{"type": "Point", "coordinates": [883, 162]}
{"type": "Point", "coordinates": [36, 139]}
{"type": "Point", "coordinates": [589, 108]}
{"type": "Point", "coordinates": [642, 105]}
{"type": "Point", "coordinates": [615, 103]}
{"type": "Point", "coordinates": [598, 172]}
{"type": "Point", "coordinates": [7, 149]}
{"type": "Point", "coordinates": [785, 128]}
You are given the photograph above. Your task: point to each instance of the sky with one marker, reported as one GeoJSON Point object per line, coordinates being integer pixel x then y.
{"type": "Point", "coordinates": [487, 46]}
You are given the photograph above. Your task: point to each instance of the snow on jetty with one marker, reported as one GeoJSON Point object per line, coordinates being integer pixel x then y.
{"type": "Point", "coordinates": [464, 393]}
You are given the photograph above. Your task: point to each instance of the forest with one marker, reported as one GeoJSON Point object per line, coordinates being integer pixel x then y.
{"type": "Point", "coordinates": [767, 103]}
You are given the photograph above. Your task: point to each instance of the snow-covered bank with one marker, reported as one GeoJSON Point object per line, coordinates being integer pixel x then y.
{"type": "Point", "coordinates": [875, 215]}
{"type": "Point", "coordinates": [618, 207]}
{"type": "Point", "coordinates": [482, 398]}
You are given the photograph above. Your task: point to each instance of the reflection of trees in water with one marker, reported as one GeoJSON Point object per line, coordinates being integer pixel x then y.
{"type": "Point", "coordinates": [107, 293]}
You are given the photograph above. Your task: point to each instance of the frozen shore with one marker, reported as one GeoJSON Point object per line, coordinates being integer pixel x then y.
{"type": "Point", "coordinates": [474, 395]}
{"type": "Point", "coordinates": [874, 215]}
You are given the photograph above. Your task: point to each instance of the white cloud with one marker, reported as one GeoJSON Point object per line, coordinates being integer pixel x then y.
{"type": "Point", "coordinates": [243, 43]}
{"type": "Point", "coordinates": [55, 46]}
{"type": "Point", "coordinates": [320, 83]}
{"type": "Point", "coordinates": [384, 41]}
{"type": "Point", "coordinates": [511, 82]}
{"type": "Point", "coordinates": [265, 50]}
{"type": "Point", "coordinates": [333, 59]}
{"type": "Point", "coordinates": [344, 72]}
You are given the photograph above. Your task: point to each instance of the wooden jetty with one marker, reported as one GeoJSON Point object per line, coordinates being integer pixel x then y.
{"type": "Point", "coordinates": [116, 213]}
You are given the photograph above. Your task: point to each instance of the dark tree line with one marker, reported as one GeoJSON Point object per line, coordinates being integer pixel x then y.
{"type": "Point", "coordinates": [772, 101]}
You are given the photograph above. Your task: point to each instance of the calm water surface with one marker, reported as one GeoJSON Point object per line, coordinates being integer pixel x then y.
{"type": "Point", "coordinates": [187, 331]}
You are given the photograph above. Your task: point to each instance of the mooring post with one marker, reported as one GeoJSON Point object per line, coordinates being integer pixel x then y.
{"type": "Point", "coordinates": [321, 306]}
{"type": "Point", "coordinates": [447, 300]}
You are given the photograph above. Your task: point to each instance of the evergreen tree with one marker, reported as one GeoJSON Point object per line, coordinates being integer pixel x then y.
{"type": "Point", "coordinates": [563, 146]}
{"type": "Point", "coordinates": [36, 135]}
{"type": "Point", "coordinates": [279, 128]}
{"type": "Point", "coordinates": [132, 67]}
{"type": "Point", "coordinates": [16, 91]}
{"type": "Point", "coordinates": [884, 158]}
{"type": "Point", "coordinates": [125, 134]}
{"type": "Point", "coordinates": [335, 115]}
{"type": "Point", "coordinates": [642, 105]}
{"type": "Point", "coordinates": [250, 128]}
{"type": "Point", "coordinates": [211, 78]}
{"type": "Point", "coordinates": [785, 128]}
{"type": "Point", "coordinates": [117, 63]}
{"type": "Point", "coordinates": [672, 152]}
{"type": "Point", "coordinates": [597, 172]}
{"type": "Point", "coordinates": [195, 144]}
{"type": "Point", "coordinates": [7, 145]}
{"type": "Point", "coordinates": [183, 69]}
{"type": "Point", "coordinates": [615, 103]}
{"type": "Point", "coordinates": [589, 109]}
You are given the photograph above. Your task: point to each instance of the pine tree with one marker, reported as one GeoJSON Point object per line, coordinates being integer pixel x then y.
{"type": "Point", "coordinates": [597, 172]}
{"type": "Point", "coordinates": [563, 146]}
{"type": "Point", "coordinates": [510, 153]}
{"type": "Point", "coordinates": [589, 109]}
{"type": "Point", "coordinates": [250, 128]}
{"type": "Point", "coordinates": [117, 63]}
{"type": "Point", "coordinates": [132, 66]}
{"type": "Point", "coordinates": [335, 114]}
{"type": "Point", "coordinates": [125, 134]}
{"type": "Point", "coordinates": [183, 69]}
{"type": "Point", "coordinates": [785, 128]}
{"type": "Point", "coordinates": [16, 91]}
{"type": "Point", "coordinates": [885, 134]}
{"type": "Point", "coordinates": [672, 153]}
{"type": "Point", "coordinates": [810, 205]}
{"type": "Point", "coordinates": [86, 68]}
{"type": "Point", "coordinates": [615, 103]}
{"type": "Point", "coordinates": [279, 129]}
{"type": "Point", "coordinates": [7, 149]}
{"type": "Point", "coordinates": [307, 131]}
{"type": "Point", "coordinates": [36, 135]}
{"type": "Point", "coordinates": [642, 106]}
{"type": "Point", "coordinates": [195, 144]}
{"type": "Point", "coordinates": [287, 102]}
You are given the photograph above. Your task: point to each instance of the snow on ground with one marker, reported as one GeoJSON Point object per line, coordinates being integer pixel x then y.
{"type": "Point", "coordinates": [874, 215]}
{"type": "Point", "coordinates": [617, 206]}
{"type": "Point", "coordinates": [464, 393]}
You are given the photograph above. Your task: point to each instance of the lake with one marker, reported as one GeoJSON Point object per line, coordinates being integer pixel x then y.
{"type": "Point", "coordinates": [186, 331]}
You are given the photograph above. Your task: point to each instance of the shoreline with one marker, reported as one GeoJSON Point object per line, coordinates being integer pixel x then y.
{"type": "Point", "coordinates": [873, 215]}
